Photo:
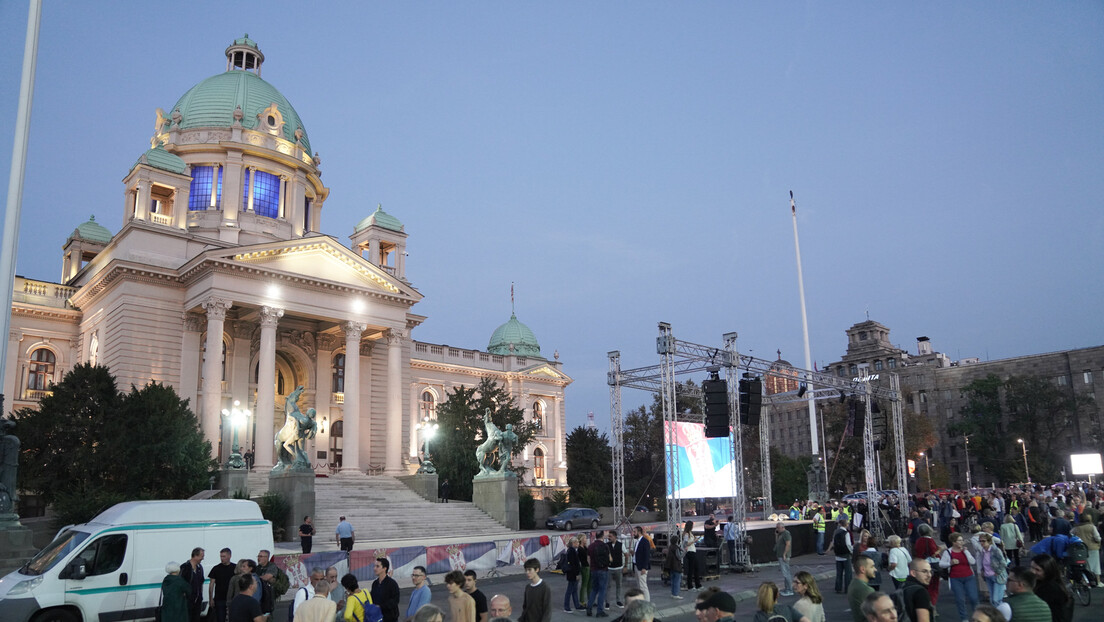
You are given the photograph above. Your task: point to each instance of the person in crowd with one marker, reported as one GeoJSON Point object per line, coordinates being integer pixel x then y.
{"type": "Point", "coordinates": [306, 592]}
{"type": "Point", "coordinates": [993, 567]}
{"type": "Point", "coordinates": [1022, 603]}
{"type": "Point", "coordinates": [859, 588]}
{"type": "Point", "coordinates": [584, 568]}
{"type": "Point", "coordinates": [499, 607]}
{"type": "Point", "coordinates": [337, 592]}
{"type": "Point", "coordinates": [420, 594]}
{"type": "Point", "coordinates": [783, 549]}
{"type": "Point", "coordinates": [599, 555]}
{"type": "Point", "coordinates": [355, 598]}
{"type": "Point", "coordinates": [914, 594]}
{"type": "Point", "coordinates": [306, 535]}
{"type": "Point", "coordinates": [730, 540]}
{"type": "Point", "coordinates": [385, 590]}
{"type": "Point", "coordinates": [842, 548]}
{"type": "Point", "coordinates": [1011, 538]}
{"type": "Point", "coordinates": [429, 613]}
{"type": "Point", "coordinates": [245, 566]}
{"type": "Point", "coordinates": [219, 586]}
{"type": "Point", "coordinates": [768, 608]}
{"type": "Point", "coordinates": [571, 568]}
{"type": "Point", "coordinates": [192, 572]}
{"type": "Point", "coordinates": [927, 548]}
{"type": "Point", "coordinates": [690, 557]}
{"type": "Point", "coordinates": [709, 533]}
{"type": "Point", "coordinates": [877, 607]}
{"type": "Point", "coordinates": [617, 566]}
{"type": "Point", "coordinates": [672, 563]}
{"type": "Point", "coordinates": [477, 595]}
{"type": "Point", "coordinates": [175, 595]}
{"type": "Point", "coordinates": [274, 581]}
{"type": "Point", "coordinates": [319, 608]}
{"type": "Point", "coordinates": [810, 605]}
{"type": "Point", "coordinates": [899, 559]}
{"type": "Point", "coordinates": [1050, 587]}
{"type": "Point", "coordinates": [959, 563]}
{"type": "Point", "coordinates": [701, 612]}
{"type": "Point", "coordinates": [987, 613]}
{"type": "Point", "coordinates": [642, 559]}
{"type": "Point", "coordinates": [536, 605]}
{"type": "Point", "coordinates": [461, 605]}
{"type": "Point", "coordinates": [718, 607]}
{"type": "Point", "coordinates": [245, 606]}
{"type": "Point", "coordinates": [345, 534]}
{"type": "Point", "coordinates": [1090, 535]}
{"type": "Point", "coordinates": [639, 611]}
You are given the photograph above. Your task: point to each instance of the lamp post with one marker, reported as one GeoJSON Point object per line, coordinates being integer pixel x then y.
{"type": "Point", "coordinates": [969, 484]}
{"type": "Point", "coordinates": [237, 417]}
{"type": "Point", "coordinates": [1023, 445]}
{"type": "Point", "coordinates": [927, 468]}
{"type": "Point", "coordinates": [428, 427]}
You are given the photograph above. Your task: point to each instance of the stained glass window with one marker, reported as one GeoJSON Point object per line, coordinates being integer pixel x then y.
{"type": "Point", "coordinates": [199, 197]}
{"type": "Point", "coordinates": [266, 194]}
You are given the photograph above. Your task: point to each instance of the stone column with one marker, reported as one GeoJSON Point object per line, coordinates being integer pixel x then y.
{"type": "Point", "coordinates": [181, 198]}
{"type": "Point", "coordinates": [216, 309]}
{"type": "Point", "coordinates": [266, 387]}
{"type": "Point", "coordinates": [189, 357]}
{"type": "Point", "coordinates": [142, 203]}
{"type": "Point", "coordinates": [350, 441]}
{"type": "Point", "coordinates": [395, 340]}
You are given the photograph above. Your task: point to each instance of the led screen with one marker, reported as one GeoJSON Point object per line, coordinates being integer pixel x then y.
{"type": "Point", "coordinates": [1085, 464]}
{"type": "Point", "coordinates": [705, 464]}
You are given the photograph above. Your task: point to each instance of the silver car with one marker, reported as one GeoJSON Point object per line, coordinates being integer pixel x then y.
{"type": "Point", "coordinates": [572, 518]}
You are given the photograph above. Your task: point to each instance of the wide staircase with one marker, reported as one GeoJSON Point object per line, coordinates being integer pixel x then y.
{"type": "Point", "coordinates": [383, 509]}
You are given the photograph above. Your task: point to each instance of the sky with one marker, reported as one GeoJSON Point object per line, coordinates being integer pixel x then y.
{"type": "Point", "coordinates": [627, 163]}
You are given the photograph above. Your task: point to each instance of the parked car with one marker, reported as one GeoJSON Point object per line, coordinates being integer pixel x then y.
{"type": "Point", "coordinates": [574, 517]}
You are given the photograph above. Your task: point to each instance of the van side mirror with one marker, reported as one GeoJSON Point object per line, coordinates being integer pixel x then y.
{"type": "Point", "coordinates": [74, 570]}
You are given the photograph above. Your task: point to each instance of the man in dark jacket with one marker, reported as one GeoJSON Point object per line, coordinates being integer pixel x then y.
{"type": "Point", "coordinates": [385, 591]}
{"type": "Point", "coordinates": [192, 572]}
{"type": "Point", "coordinates": [642, 559]}
{"type": "Point", "coordinates": [599, 555]}
{"type": "Point", "coordinates": [617, 564]}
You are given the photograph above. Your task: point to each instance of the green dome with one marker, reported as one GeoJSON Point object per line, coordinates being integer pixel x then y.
{"type": "Point", "coordinates": [380, 218]}
{"type": "Point", "coordinates": [159, 158]}
{"type": "Point", "coordinates": [516, 334]}
{"type": "Point", "coordinates": [211, 103]}
{"type": "Point", "coordinates": [93, 231]}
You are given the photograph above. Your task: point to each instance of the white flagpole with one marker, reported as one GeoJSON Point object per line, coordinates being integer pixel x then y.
{"type": "Point", "coordinates": [817, 453]}
{"type": "Point", "coordinates": [10, 240]}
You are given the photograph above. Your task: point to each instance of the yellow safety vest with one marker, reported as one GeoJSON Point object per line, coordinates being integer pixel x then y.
{"type": "Point", "coordinates": [818, 522]}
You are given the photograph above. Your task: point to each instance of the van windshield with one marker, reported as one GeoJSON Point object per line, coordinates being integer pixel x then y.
{"type": "Point", "coordinates": [55, 552]}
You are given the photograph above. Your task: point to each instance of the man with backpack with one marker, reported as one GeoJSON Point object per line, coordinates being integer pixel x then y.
{"type": "Point", "coordinates": [306, 592]}
{"type": "Point", "coordinates": [913, 595]}
{"type": "Point", "coordinates": [842, 547]}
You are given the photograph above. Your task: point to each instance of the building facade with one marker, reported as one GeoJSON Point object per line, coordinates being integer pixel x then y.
{"type": "Point", "coordinates": [222, 284]}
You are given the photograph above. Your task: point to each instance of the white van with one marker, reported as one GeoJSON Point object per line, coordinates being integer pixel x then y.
{"type": "Point", "coordinates": [111, 568]}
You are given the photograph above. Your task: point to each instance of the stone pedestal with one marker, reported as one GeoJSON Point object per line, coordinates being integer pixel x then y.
{"type": "Point", "coordinates": [297, 487]}
{"type": "Point", "coordinates": [425, 484]}
{"type": "Point", "coordinates": [233, 481]}
{"type": "Point", "coordinates": [16, 545]}
{"type": "Point", "coordinates": [497, 495]}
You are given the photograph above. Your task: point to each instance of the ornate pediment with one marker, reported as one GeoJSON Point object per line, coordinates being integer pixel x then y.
{"type": "Point", "coordinates": [545, 370]}
{"type": "Point", "coordinates": [321, 259]}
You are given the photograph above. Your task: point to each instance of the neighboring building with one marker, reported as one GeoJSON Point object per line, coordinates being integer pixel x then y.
{"type": "Point", "coordinates": [221, 284]}
{"type": "Point", "coordinates": [931, 384]}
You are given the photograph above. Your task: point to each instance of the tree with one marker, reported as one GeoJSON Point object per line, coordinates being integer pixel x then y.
{"type": "Point", "coordinates": [788, 477]}
{"type": "Point", "coordinates": [589, 469]}
{"type": "Point", "coordinates": [642, 442]}
{"type": "Point", "coordinates": [461, 430]}
{"type": "Point", "coordinates": [88, 446]}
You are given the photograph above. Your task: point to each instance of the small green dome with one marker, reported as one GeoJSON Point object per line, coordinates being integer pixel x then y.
{"type": "Point", "coordinates": [212, 102]}
{"type": "Point", "coordinates": [380, 218]}
{"type": "Point", "coordinates": [514, 333]}
{"type": "Point", "coordinates": [159, 158]}
{"type": "Point", "coordinates": [93, 231]}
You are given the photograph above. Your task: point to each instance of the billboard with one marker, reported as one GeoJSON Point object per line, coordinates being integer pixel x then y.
{"type": "Point", "coordinates": [1085, 464]}
{"type": "Point", "coordinates": [705, 464]}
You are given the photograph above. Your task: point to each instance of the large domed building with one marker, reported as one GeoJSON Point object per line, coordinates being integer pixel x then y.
{"type": "Point", "coordinates": [222, 283]}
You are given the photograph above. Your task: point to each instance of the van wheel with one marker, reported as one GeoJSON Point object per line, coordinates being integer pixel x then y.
{"type": "Point", "coordinates": [56, 615]}
{"type": "Point", "coordinates": [567, 526]}
{"type": "Point", "coordinates": [593, 524]}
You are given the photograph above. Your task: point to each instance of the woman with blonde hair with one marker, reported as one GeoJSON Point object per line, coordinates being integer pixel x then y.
{"type": "Point", "coordinates": [899, 559]}
{"type": "Point", "coordinates": [768, 607]}
{"type": "Point", "coordinates": [810, 605]}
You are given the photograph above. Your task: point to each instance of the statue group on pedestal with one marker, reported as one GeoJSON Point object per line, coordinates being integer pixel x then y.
{"type": "Point", "coordinates": [499, 442]}
{"type": "Point", "coordinates": [291, 440]}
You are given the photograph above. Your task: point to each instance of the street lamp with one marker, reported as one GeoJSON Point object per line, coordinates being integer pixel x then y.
{"type": "Point", "coordinates": [428, 427]}
{"type": "Point", "coordinates": [969, 484]}
{"type": "Point", "coordinates": [1024, 446]}
{"type": "Point", "coordinates": [927, 467]}
{"type": "Point", "coordinates": [237, 417]}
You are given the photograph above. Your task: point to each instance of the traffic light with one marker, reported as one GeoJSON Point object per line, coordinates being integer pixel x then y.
{"type": "Point", "coordinates": [751, 400]}
{"type": "Point", "coordinates": [717, 419]}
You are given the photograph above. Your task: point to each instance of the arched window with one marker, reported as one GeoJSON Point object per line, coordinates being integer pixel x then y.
{"type": "Point", "coordinates": [538, 415]}
{"type": "Point", "coordinates": [428, 408]}
{"type": "Point", "coordinates": [266, 194]}
{"type": "Point", "coordinates": [206, 189]}
{"type": "Point", "coordinates": [41, 369]}
{"type": "Point", "coordinates": [538, 463]}
{"type": "Point", "coordinates": [339, 373]}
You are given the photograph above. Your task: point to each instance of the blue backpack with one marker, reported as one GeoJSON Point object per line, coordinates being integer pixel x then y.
{"type": "Point", "coordinates": [372, 612]}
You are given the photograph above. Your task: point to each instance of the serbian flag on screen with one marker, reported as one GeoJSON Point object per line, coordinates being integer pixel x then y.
{"type": "Point", "coordinates": [704, 464]}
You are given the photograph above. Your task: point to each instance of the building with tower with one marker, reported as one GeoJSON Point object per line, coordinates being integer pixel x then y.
{"type": "Point", "coordinates": [222, 284]}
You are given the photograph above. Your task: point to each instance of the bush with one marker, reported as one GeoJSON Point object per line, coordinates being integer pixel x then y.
{"type": "Point", "coordinates": [82, 505]}
{"type": "Point", "coordinates": [590, 498]}
{"type": "Point", "coordinates": [557, 501]}
{"type": "Point", "coordinates": [526, 518]}
{"type": "Point", "coordinates": [275, 508]}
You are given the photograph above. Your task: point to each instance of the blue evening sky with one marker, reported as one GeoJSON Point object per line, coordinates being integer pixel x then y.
{"type": "Point", "coordinates": [626, 163]}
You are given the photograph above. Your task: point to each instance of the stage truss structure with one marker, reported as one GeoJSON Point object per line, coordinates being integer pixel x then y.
{"type": "Point", "coordinates": [679, 357]}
